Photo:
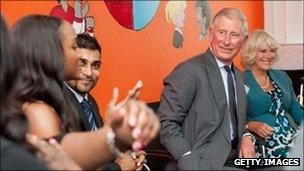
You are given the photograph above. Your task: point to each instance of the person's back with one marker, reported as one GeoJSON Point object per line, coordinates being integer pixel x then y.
{"type": "Point", "coordinates": [14, 157]}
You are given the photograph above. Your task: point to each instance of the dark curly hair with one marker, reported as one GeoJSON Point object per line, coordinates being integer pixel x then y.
{"type": "Point", "coordinates": [42, 74]}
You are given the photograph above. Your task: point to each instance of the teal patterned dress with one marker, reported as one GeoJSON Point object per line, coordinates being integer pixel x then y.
{"type": "Point", "coordinates": [280, 142]}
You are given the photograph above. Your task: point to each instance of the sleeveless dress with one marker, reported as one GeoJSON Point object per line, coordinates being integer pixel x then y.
{"type": "Point", "coordinates": [280, 142]}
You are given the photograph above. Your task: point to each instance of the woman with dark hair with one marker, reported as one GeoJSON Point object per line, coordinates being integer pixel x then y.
{"type": "Point", "coordinates": [46, 44]}
{"type": "Point", "coordinates": [14, 156]}
{"type": "Point", "coordinates": [40, 45]}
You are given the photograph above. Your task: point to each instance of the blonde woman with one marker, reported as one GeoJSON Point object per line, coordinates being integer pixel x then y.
{"type": "Point", "coordinates": [271, 98]}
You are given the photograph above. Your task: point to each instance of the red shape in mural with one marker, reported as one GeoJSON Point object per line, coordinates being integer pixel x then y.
{"type": "Point", "coordinates": [122, 12]}
{"type": "Point", "coordinates": [133, 14]}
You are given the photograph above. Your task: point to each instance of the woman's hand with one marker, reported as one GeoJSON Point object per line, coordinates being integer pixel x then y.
{"type": "Point", "coordinates": [260, 128]}
{"type": "Point", "coordinates": [133, 121]}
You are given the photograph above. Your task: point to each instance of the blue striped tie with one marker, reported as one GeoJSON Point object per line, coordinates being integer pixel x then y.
{"type": "Point", "coordinates": [89, 114]}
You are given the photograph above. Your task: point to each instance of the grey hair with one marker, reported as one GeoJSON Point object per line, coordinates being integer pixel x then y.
{"type": "Point", "coordinates": [232, 13]}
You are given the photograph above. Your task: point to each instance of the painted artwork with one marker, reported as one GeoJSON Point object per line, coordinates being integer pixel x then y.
{"type": "Point", "coordinates": [133, 14]}
{"type": "Point", "coordinates": [203, 17]}
{"type": "Point", "coordinates": [175, 14]}
{"type": "Point", "coordinates": [76, 15]}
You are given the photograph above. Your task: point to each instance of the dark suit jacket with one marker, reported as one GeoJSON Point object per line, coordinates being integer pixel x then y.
{"type": "Point", "coordinates": [84, 125]}
{"type": "Point", "coordinates": [194, 114]}
{"type": "Point", "coordinates": [177, 39]}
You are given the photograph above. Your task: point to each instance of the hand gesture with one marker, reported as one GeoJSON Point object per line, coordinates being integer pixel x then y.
{"type": "Point", "coordinates": [132, 120]}
{"type": "Point", "coordinates": [132, 94]}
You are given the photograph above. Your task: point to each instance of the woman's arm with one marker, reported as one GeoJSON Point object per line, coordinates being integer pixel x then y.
{"type": "Point", "coordinates": [88, 149]}
{"type": "Point", "coordinates": [133, 123]}
{"type": "Point", "coordinates": [262, 129]}
{"type": "Point", "coordinates": [92, 150]}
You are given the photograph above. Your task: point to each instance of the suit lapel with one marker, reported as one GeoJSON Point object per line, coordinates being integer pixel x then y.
{"type": "Point", "coordinates": [241, 100]}
{"type": "Point", "coordinates": [73, 99]}
{"type": "Point", "coordinates": [98, 119]}
{"type": "Point", "coordinates": [218, 90]}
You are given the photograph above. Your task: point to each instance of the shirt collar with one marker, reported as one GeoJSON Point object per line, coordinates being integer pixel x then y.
{"type": "Point", "coordinates": [220, 63]}
{"type": "Point", "coordinates": [78, 96]}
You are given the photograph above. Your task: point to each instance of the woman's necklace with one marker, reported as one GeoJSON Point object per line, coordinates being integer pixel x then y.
{"type": "Point", "coordinates": [267, 84]}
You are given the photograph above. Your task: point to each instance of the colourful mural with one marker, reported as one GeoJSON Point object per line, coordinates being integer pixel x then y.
{"type": "Point", "coordinates": [133, 14]}
{"type": "Point", "coordinates": [148, 54]}
{"type": "Point", "coordinates": [175, 14]}
{"type": "Point", "coordinates": [76, 15]}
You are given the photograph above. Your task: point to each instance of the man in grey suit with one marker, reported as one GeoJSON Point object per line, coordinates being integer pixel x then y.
{"type": "Point", "coordinates": [203, 104]}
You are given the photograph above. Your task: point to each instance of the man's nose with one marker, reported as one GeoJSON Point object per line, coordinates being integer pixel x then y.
{"type": "Point", "coordinates": [87, 70]}
{"type": "Point", "coordinates": [227, 40]}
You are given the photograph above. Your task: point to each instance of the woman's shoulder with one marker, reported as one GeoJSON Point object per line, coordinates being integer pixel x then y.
{"type": "Point", "coordinates": [277, 72]}
{"type": "Point", "coordinates": [279, 75]}
{"type": "Point", "coordinates": [249, 79]}
{"type": "Point", "coordinates": [43, 119]}
{"type": "Point", "coordinates": [39, 107]}
{"type": "Point", "coordinates": [247, 73]}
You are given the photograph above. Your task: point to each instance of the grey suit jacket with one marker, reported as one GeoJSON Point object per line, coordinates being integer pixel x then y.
{"type": "Point", "coordinates": [194, 114]}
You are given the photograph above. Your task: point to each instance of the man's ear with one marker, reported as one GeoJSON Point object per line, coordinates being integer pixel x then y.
{"type": "Point", "coordinates": [245, 41]}
{"type": "Point", "coordinates": [210, 33]}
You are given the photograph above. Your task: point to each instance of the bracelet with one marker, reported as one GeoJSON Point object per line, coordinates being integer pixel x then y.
{"type": "Point", "coordinates": [110, 138]}
{"type": "Point", "coordinates": [251, 137]}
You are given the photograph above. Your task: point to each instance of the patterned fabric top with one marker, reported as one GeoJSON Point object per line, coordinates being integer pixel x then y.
{"type": "Point", "coordinates": [280, 142]}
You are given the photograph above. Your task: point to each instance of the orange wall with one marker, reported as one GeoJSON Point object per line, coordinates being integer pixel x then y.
{"type": "Point", "coordinates": [132, 55]}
